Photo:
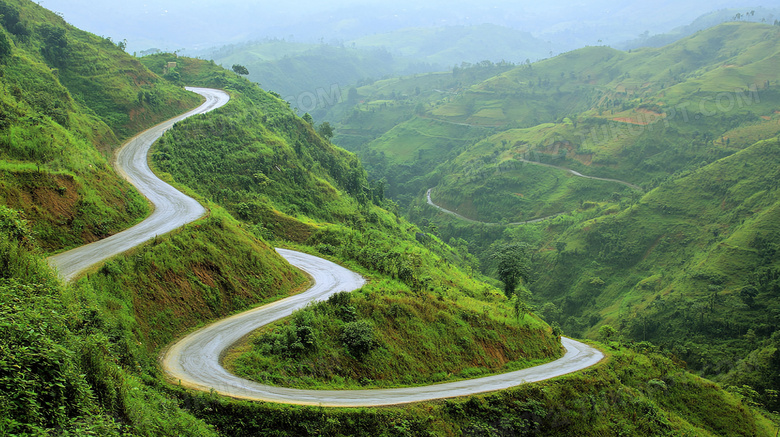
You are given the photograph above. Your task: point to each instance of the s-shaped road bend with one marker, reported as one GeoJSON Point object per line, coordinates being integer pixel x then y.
{"type": "Point", "coordinates": [194, 361]}
{"type": "Point", "coordinates": [172, 209]}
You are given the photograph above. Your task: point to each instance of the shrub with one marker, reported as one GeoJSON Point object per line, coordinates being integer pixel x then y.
{"type": "Point", "coordinates": [358, 338]}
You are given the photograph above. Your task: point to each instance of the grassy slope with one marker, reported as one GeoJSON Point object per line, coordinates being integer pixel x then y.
{"type": "Point", "coordinates": [92, 342]}
{"type": "Point", "coordinates": [680, 267]}
{"type": "Point", "coordinates": [631, 394]}
{"type": "Point", "coordinates": [691, 266]}
{"type": "Point", "coordinates": [415, 339]}
{"type": "Point", "coordinates": [637, 116]}
{"type": "Point", "coordinates": [64, 110]}
{"type": "Point", "coordinates": [292, 69]}
{"type": "Point", "coordinates": [287, 183]}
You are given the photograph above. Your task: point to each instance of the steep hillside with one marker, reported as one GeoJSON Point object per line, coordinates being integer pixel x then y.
{"type": "Point", "coordinates": [288, 184]}
{"type": "Point", "coordinates": [295, 69]}
{"type": "Point", "coordinates": [691, 266]}
{"type": "Point", "coordinates": [81, 358]}
{"type": "Point", "coordinates": [687, 262]}
{"type": "Point", "coordinates": [638, 116]}
{"type": "Point", "coordinates": [69, 99]}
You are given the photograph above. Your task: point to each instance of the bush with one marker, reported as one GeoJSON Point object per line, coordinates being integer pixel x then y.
{"type": "Point", "coordinates": [291, 340]}
{"type": "Point", "coordinates": [14, 225]}
{"type": "Point", "coordinates": [358, 338]}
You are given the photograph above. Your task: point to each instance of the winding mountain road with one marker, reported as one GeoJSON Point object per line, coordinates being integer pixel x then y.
{"type": "Point", "coordinates": [194, 361]}
{"type": "Point", "coordinates": [172, 209]}
{"type": "Point", "coordinates": [536, 220]}
{"type": "Point", "coordinates": [447, 211]}
{"type": "Point", "coordinates": [580, 175]}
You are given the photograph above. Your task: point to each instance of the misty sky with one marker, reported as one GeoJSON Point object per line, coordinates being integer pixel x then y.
{"type": "Point", "coordinates": [192, 24]}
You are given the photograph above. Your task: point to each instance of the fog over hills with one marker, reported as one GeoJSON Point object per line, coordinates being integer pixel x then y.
{"type": "Point", "coordinates": [194, 24]}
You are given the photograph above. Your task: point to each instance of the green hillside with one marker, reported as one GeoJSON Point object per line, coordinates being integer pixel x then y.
{"type": "Point", "coordinates": [69, 100]}
{"type": "Point", "coordinates": [686, 262]}
{"type": "Point", "coordinates": [294, 69]}
{"type": "Point", "coordinates": [298, 70]}
{"type": "Point", "coordinates": [691, 266]}
{"type": "Point", "coordinates": [638, 116]}
{"type": "Point", "coordinates": [82, 358]}
{"type": "Point", "coordinates": [287, 183]}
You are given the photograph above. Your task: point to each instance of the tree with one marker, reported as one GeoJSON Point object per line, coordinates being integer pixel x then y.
{"type": "Point", "coordinates": [240, 69]}
{"type": "Point", "coordinates": [512, 266]}
{"type": "Point", "coordinates": [607, 332]}
{"type": "Point", "coordinates": [55, 48]}
{"type": "Point", "coordinates": [9, 18]}
{"type": "Point", "coordinates": [352, 95]}
{"type": "Point", "coordinates": [560, 246]}
{"type": "Point", "coordinates": [521, 305]}
{"type": "Point", "coordinates": [14, 226]}
{"type": "Point", "coordinates": [325, 130]}
{"type": "Point", "coordinates": [358, 337]}
{"type": "Point", "coordinates": [308, 118]}
{"type": "Point", "coordinates": [5, 46]}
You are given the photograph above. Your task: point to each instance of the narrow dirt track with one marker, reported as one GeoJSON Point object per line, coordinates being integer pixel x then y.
{"type": "Point", "coordinates": [536, 220]}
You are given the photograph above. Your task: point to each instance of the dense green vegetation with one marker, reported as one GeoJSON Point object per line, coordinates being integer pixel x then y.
{"type": "Point", "coordinates": [373, 338]}
{"type": "Point", "coordinates": [690, 266]}
{"type": "Point", "coordinates": [298, 71]}
{"type": "Point", "coordinates": [81, 358]}
{"type": "Point", "coordinates": [68, 100]}
{"type": "Point", "coordinates": [91, 371]}
{"type": "Point", "coordinates": [71, 362]}
{"type": "Point", "coordinates": [687, 265]}
{"type": "Point", "coordinates": [634, 393]}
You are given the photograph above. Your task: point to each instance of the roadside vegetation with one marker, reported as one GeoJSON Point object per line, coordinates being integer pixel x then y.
{"type": "Point", "coordinates": [685, 261]}
{"type": "Point", "coordinates": [373, 338]}
{"type": "Point", "coordinates": [61, 116]}
{"type": "Point", "coordinates": [81, 358]}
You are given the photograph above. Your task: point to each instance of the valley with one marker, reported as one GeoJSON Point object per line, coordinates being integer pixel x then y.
{"type": "Point", "coordinates": [608, 260]}
{"type": "Point", "coordinates": [413, 257]}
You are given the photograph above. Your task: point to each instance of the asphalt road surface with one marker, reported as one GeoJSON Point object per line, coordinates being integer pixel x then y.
{"type": "Point", "coordinates": [447, 211]}
{"type": "Point", "coordinates": [194, 361]}
{"type": "Point", "coordinates": [172, 209]}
